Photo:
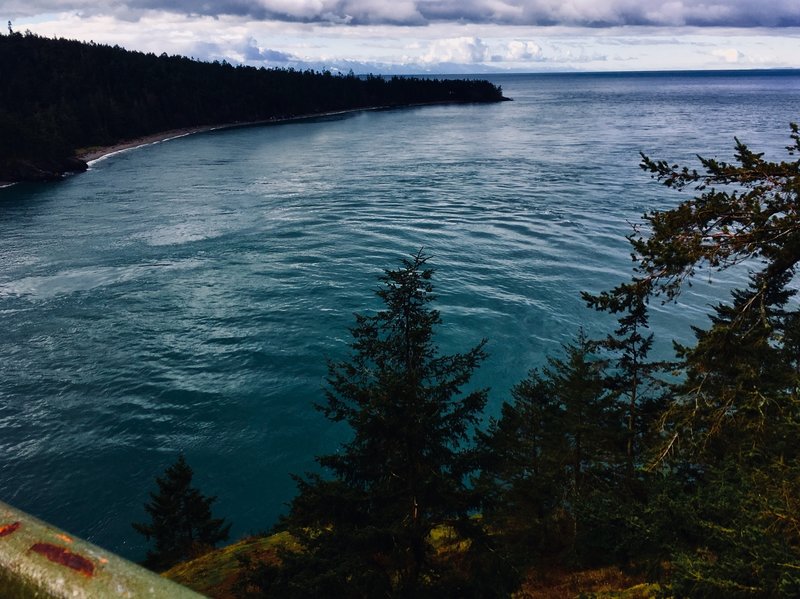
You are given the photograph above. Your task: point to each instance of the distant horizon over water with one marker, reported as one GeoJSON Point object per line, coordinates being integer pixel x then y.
{"type": "Point", "coordinates": [185, 296]}
{"type": "Point", "coordinates": [489, 75]}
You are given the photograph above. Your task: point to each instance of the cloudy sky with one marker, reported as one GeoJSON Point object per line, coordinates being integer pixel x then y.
{"type": "Point", "coordinates": [402, 36]}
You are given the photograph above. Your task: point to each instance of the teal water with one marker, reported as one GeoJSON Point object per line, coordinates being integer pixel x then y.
{"type": "Point", "coordinates": [185, 296]}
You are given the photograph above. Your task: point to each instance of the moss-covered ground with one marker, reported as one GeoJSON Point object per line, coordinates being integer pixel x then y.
{"type": "Point", "coordinates": [216, 574]}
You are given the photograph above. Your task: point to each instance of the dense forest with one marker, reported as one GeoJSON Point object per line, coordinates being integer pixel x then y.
{"type": "Point", "coordinates": [60, 95]}
{"type": "Point", "coordinates": [684, 474]}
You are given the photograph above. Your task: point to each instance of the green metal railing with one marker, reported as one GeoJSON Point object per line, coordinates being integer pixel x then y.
{"type": "Point", "coordinates": [39, 560]}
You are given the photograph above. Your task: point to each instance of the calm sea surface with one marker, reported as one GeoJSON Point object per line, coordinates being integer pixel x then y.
{"type": "Point", "coordinates": [185, 296]}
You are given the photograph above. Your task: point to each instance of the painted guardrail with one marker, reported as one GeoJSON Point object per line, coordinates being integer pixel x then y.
{"type": "Point", "coordinates": [39, 560]}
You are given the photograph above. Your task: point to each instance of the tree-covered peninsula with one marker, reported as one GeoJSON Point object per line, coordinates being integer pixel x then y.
{"type": "Point", "coordinates": [59, 96]}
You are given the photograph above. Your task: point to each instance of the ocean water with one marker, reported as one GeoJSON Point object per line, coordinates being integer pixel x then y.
{"type": "Point", "coordinates": [185, 296]}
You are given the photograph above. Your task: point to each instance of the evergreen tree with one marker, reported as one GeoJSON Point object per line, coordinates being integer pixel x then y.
{"type": "Point", "coordinates": [628, 516]}
{"type": "Point", "coordinates": [367, 530]}
{"type": "Point", "coordinates": [521, 481]}
{"type": "Point", "coordinates": [730, 446]}
{"type": "Point", "coordinates": [740, 381]}
{"type": "Point", "coordinates": [741, 378]}
{"type": "Point", "coordinates": [586, 415]}
{"type": "Point", "coordinates": [745, 210]}
{"type": "Point", "coordinates": [181, 524]}
{"type": "Point", "coordinates": [744, 534]}
{"type": "Point", "coordinates": [737, 417]}
{"type": "Point", "coordinates": [550, 458]}
{"type": "Point", "coordinates": [632, 375]}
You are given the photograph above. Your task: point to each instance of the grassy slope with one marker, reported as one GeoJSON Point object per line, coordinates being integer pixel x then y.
{"type": "Point", "coordinates": [215, 574]}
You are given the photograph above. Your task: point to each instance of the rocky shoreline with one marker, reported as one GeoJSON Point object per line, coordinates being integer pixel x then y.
{"type": "Point", "coordinates": [50, 169]}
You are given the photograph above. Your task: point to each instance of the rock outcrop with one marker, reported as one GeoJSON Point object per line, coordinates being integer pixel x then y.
{"type": "Point", "coordinates": [40, 170]}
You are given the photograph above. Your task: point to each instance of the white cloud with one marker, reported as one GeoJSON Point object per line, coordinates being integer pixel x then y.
{"type": "Point", "coordinates": [519, 51]}
{"type": "Point", "coordinates": [728, 55]}
{"type": "Point", "coordinates": [393, 48]}
{"type": "Point", "coordinates": [465, 50]}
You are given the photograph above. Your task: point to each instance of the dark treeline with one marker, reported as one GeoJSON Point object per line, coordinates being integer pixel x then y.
{"type": "Point", "coordinates": [60, 95]}
{"type": "Point", "coordinates": [685, 473]}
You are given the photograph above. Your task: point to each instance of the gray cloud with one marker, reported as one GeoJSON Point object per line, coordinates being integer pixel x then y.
{"type": "Point", "coordinates": [252, 53]}
{"type": "Point", "coordinates": [582, 13]}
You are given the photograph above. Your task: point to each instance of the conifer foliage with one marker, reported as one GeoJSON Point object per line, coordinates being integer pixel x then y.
{"type": "Point", "coordinates": [181, 524]}
{"type": "Point", "coordinates": [367, 529]}
{"type": "Point", "coordinates": [551, 459]}
{"type": "Point", "coordinates": [704, 474]}
{"type": "Point", "coordinates": [733, 420]}
{"type": "Point", "coordinates": [742, 375]}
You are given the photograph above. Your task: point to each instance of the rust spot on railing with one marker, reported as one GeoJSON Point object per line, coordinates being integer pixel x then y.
{"type": "Point", "coordinates": [65, 557]}
{"type": "Point", "coordinates": [7, 529]}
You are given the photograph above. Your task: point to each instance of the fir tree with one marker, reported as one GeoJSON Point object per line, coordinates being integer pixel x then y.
{"type": "Point", "coordinates": [632, 375]}
{"type": "Point", "coordinates": [741, 377]}
{"type": "Point", "coordinates": [367, 530]}
{"type": "Point", "coordinates": [181, 524]}
{"type": "Point", "coordinates": [522, 480]}
{"type": "Point", "coordinates": [740, 381]}
{"type": "Point", "coordinates": [730, 450]}
{"type": "Point", "coordinates": [550, 457]}
{"type": "Point", "coordinates": [745, 210]}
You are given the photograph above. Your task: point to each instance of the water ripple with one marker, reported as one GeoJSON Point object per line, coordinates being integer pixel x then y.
{"type": "Point", "coordinates": [185, 297]}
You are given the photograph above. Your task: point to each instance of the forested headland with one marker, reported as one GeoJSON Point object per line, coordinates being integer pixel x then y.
{"type": "Point", "coordinates": [681, 475]}
{"type": "Point", "coordinates": [61, 95]}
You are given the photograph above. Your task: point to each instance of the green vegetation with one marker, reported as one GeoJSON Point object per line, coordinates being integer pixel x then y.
{"type": "Point", "coordinates": [606, 473]}
{"type": "Point", "coordinates": [60, 95]}
{"type": "Point", "coordinates": [229, 572]}
{"type": "Point", "coordinates": [224, 573]}
{"type": "Point", "coordinates": [728, 443]}
{"type": "Point", "coordinates": [367, 530]}
{"type": "Point", "coordinates": [181, 525]}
